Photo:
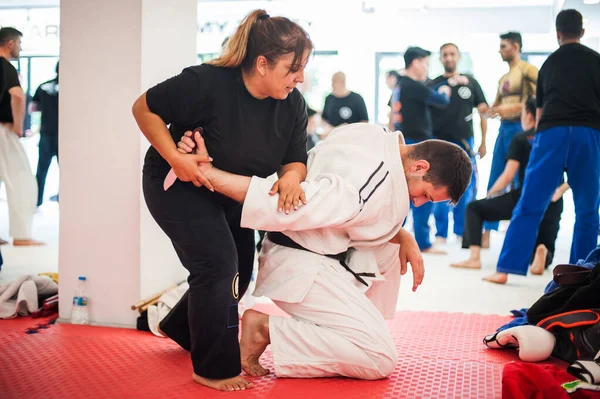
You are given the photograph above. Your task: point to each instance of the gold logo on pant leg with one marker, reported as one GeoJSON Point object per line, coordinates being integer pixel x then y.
{"type": "Point", "coordinates": [235, 286]}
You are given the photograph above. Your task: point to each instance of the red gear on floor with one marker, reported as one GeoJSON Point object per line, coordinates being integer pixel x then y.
{"type": "Point", "coordinates": [533, 381]}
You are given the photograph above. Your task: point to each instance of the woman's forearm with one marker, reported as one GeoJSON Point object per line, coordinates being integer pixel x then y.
{"type": "Point", "coordinates": [154, 128]}
{"type": "Point", "coordinates": [295, 167]}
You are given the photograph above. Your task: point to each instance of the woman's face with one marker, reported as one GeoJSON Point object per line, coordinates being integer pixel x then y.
{"type": "Point", "coordinates": [280, 81]}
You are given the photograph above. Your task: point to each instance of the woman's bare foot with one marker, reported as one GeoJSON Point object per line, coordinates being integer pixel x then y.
{"type": "Point", "coordinates": [254, 341]}
{"type": "Point", "coordinates": [539, 260]}
{"type": "Point", "coordinates": [485, 239]}
{"type": "Point", "coordinates": [468, 264]}
{"type": "Point", "coordinates": [230, 384]}
{"type": "Point", "coordinates": [498, 278]}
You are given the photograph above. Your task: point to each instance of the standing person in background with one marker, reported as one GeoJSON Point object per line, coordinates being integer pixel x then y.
{"type": "Point", "coordinates": [343, 106]}
{"type": "Point", "coordinates": [455, 124]}
{"type": "Point", "coordinates": [514, 88]}
{"type": "Point", "coordinates": [45, 100]}
{"type": "Point", "coordinates": [392, 78]}
{"type": "Point", "coordinates": [15, 172]}
{"type": "Point", "coordinates": [411, 115]}
{"type": "Point", "coordinates": [568, 137]}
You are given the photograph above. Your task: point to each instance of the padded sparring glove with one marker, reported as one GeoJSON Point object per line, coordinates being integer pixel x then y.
{"type": "Point", "coordinates": [534, 343]}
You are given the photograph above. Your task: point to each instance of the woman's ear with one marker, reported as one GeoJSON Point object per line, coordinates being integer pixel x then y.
{"type": "Point", "coordinates": [261, 65]}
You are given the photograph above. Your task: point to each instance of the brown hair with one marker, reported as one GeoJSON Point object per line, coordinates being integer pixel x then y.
{"type": "Point", "coordinates": [259, 34]}
{"type": "Point", "coordinates": [450, 166]}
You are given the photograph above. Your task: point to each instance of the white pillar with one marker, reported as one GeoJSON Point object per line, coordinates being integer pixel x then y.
{"type": "Point", "coordinates": [111, 51]}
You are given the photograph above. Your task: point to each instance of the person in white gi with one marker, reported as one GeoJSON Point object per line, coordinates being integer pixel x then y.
{"type": "Point", "coordinates": [359, 184]}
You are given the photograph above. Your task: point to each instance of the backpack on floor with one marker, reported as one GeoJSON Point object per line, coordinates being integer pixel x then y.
{"type": "Point", "coordinates": [577, 334]}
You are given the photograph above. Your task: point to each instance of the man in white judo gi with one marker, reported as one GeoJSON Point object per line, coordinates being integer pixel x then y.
{"type": "Point", "coordinates": [334, 264]}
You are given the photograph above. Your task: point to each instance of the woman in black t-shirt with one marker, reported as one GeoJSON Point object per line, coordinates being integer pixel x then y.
{"type": "Point", "coordinates": [253, 122]}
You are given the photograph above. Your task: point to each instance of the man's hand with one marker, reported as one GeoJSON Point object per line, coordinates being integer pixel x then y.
{"type": "Point", "coordinates": [15, 129]}
{"type": "Point", "coordinates": [458, 80]}
{"type": "Point", "coordinates": [192, 167]}
{"type": "Point", "coordinates": [445, 90]}
{"type": "Point", "coordinates": [482, 150]}
{"type": "Point", "coordinates": [290, 192]}
{"type": "Point", "coordinates": [504, 111]}
{"type": "Point", "coordinates": [410, 253]}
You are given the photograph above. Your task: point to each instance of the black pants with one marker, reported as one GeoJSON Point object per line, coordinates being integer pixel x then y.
{"type": "Point", "coordinates": [501, 208]}
{"type": "Point", "coordinates": [48, 148]}
{"type": "Point", "coordinates": [204, 228]}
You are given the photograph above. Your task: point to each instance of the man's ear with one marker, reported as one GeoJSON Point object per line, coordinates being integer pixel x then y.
{"type": "Point", "coordinates": [420, 167]}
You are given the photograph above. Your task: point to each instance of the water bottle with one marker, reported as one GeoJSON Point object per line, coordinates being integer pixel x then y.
{"type": "Point", "coordinates": [79, 313]}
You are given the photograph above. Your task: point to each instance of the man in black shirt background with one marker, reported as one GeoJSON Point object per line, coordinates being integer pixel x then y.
{"type": "Point", "coordinates": [343, 106]}
{"type": "Point", "coordinates": [568, 137]}
{"type": "Point", "coordinates": [45, 100]}
{"type": "Point", "coordinates": [21, 188]}
{"type": "Point", "coordinates": [411, 115]}
{"type": "Point", "coordinates": [455, 124]}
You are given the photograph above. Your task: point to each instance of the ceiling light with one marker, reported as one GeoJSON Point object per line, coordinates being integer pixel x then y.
{"type": "Point", "coordinates": [591, 1]}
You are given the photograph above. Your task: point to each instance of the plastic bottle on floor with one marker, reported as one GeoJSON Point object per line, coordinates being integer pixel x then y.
{"type": "Point", "coordinates": [79, 313]}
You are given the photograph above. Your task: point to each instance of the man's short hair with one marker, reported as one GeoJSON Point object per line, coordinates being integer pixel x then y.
{"type": "Point", "coordinates": [513, 37]}
{"type": "Point", "coordinates": [450, 166]}
{"type": "Point", "coordinates": [569, 23]}
{"type": "Point", "coordinates": [394, 74]}
{"type": "Point", "coordinates": [449, 44]}
{"type": "Point", "coordinates": [414, 53]}
{"type": "Point", "coordinates": [8, 34]}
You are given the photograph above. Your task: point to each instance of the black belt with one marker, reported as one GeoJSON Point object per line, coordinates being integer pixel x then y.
{"type": "Point", "coordinates": [285, 241]}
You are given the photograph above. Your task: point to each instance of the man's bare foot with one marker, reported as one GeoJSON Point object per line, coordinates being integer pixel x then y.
{"type": "Point", "coordinates": [230, 384]}
{"type": "Point", "coordinates": [254, 341]}
{"type": "Point", "coordinates": [26, 242]}
{"type": "Point", "coordinates": [440, 241]}
{"type": "Point", "coordinates": [498, 278]}
{"type": "Point", "coordinates": [539, 260]}
{"type": "Point", "coordinates": [468, 264]}
{"type": "Point", "coordinates": [434, 250]}
{"type": "Point", "coordinates": [485, 239]}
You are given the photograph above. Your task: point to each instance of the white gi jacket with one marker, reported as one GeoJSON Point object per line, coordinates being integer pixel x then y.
{"type": "Point", "coordinates": [357, 199]}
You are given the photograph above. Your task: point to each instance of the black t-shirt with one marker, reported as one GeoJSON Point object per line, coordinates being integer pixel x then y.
{"type": "Point", "coordinates": [11, 79]}
{"type": "Point", "coordinates": [410, 112]}
{"type": "Point", "coordinates": [568, 88]}
{"type": "Point", "coordinates": [46, 96]}
{"type": "Point", "coordinates": [449, 123]}
{"type": "Point", "coordinates": [520, 149]}
{"type": "Point", "coordinates": [349, 109]}
{"type": "Point", "coordinates": [243, 135]}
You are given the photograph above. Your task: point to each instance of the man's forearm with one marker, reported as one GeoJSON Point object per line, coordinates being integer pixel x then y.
{"type": "Point", "coordinates": [228, 184]}
{"type": "Point", "coordinates": [483, 130]}
{"type": "Point", "coordinates": [18, 113]}
{"type": "Point", "coordinates": [400, 236]}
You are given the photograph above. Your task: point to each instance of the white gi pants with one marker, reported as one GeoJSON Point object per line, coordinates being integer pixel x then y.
{"type": "Point", "coordinates": [334, 331]}
{"type": "Point", "coordinates": [21, 186]}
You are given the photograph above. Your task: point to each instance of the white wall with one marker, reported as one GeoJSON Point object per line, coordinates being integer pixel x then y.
{"type": "Point", "coordinates": [168, 46]}
{"type": "Point", "coordinates": [110, 52]}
